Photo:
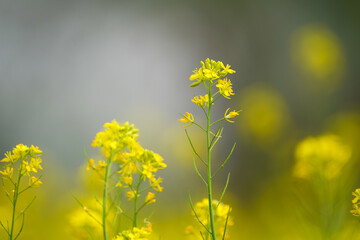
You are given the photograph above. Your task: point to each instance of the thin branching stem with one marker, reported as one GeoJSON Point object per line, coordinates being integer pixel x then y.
{"type": "Point", "coordinates": [197, 171]}
{"type": "Point", "coordinates": [223, 193]}
{"type": "Point", "coordinates": [226, 222]}
{"type": "Point", "coordinates": [192, 207]}
{"type": "Point", "coordinates": [227, 159]}
{"type": "Point", "coordinates": [193, 148]}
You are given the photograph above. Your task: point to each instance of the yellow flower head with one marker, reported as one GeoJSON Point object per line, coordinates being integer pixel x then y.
{"type": "Point", "coordinates": [221, 213]}
{"type": "Point", "coordinates": [232, 114]}
{"type": "Point", "coordinates": [21, 151]}
{"type": "Point", "coordinates": [8, 172]}
{"type": "Point", "coordinates": [187, 117]}
{"type": "Point", "coordinates": [29, 159]}
{"type": "Point", "coordinates": [35, 182]}
{"type": "Point", "coordinates": [356, 210]}
{"type": "Point", "coordinates": [150, 198]}
{"type": "Point", "coordinates": [209, 71]}
{"type": "Point", "coordinates": [225, 88]}
{"type": "Point", "coordinates": [201, 101]}
{"type": "Point", "coordinates": [134, 234]}
{"type": "Point", "coordinates": [115, 137]}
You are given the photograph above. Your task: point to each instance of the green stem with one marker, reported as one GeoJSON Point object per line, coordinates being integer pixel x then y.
{"type": "Point", "coordinates": [16, 194]}
{"type": "Point", "coordinates": [209, 177]}
{"type": "Point", "coordinates": [105, 193]}
{"type": "Point", "coordinates": [136, 211]}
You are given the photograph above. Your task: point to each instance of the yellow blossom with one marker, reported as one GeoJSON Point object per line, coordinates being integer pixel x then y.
{"type": "Point", "coordinates": [8, 172]}
{"type": "Point", "coordinates": [230, 115]}
{"type": "Point", "coordinates": [209, 71]}
{"type": "Point", "coordinates": [225, 88]}
{"type": "Point", "coordinates": [187, 117]}
{"type": "Point", "coordinates": [130, 195]}
{"type": "Point", "coordinates": [90, 164]}
{"type": "Point", "coordinates": [150, 198]}
{"type": "Point", "coordinates": [35, 182]}
{"type": "Point", "coordinates": [356, 210]}
{"type": "Point", "coordinates": [115, 137]}
{"type": "Point", "coordinates": [201, 101]}
{"type": "Point", "coordinates": [8, 158]}
{"type": "Point", "coordinates": [220, 215]}
{"type": "Point", "coordinates": [133, 234]}
{"type": "Point", "coordinates": [20, 151]}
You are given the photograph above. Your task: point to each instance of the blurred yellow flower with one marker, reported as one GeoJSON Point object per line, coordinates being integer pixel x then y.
{"type": "Point", "coordinates": [221, 213]}
{"type": "Point", "coordinates": [134, 234]}
{"type": "Point", "coordinates": [150, 198]}
{"type": "Point", "coordinates": [325, 155]}
{"type": "Point", "coordinates": [7, 172]}
{"type": "Point", "coordinates": [266, 115]}
{"type": "Point", "coordinates": [35, 182]}
{"type": "Point", "coordinates": [318, 53]}
{"type": "Point", "coordinates": [356, 202]}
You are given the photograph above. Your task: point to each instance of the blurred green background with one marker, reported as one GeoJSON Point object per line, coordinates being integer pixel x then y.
{"type": "Point", "coordinates": [67, 67]}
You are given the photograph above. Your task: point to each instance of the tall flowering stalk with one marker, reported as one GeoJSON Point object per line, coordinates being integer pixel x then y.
{"type": "Point", "coordinates": [212, 76]}
{"type": "Point", "coordinates": [22, 162]}
{"type": "Point", "coordinates": [127, 165]}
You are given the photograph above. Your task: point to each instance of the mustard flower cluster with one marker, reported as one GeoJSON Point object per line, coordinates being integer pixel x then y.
{"type": "Point", "coordinates": [127, 165]}
{"type": "Point", "coordinates": [29, 159]}
{"type": "Point", "coordinates": [119, 142]}
{"type": "Point", "coordinates": [356, 202]}
{"type": "Point", "coordinates": [135, 234]}
{"type": "Point", "coordinates": [211, 73]}
{"type": "Point", "coordinates": [115, 138]}
{"type": "Point", "coordinates": [221, 217]}
{"type": "Point", "coordinates": [325, 155]}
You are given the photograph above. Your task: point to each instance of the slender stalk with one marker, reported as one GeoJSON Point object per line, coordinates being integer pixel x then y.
{"type": "Point", "coordinates": [105, 193]}
{"type": "Point", "coordinates": [16, 194]}
{"type": "Point", "coordinates": [209, 177]}
{"type": "Point", "coordinates": [136, 211]}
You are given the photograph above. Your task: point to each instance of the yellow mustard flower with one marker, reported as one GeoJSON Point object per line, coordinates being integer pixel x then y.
{"type": "Point", "coordinates": [201, 101]}
{"type": "Point", "coordinates": [115, 137]}
{"type": "Point", "coordinates": [150, 198]}
{"type": "Point", "coordinates": [225, 88]}
{"type": "Point", "coordinates": [209, 71]}
{"type": "Point", "coordinates": [221, 213]}
{"type": "Point", "coordinates": [232, 114]}
{"type": "Point", "coordinates": [8, 158]}
{"type": "Point", "coordinates": [21, 151]}
{"type": "Point", "coordinates": [356, 202]}
{"type": "Point", "coordinates": [134, 234]}
{"type": "Point", "coordinates": [35, 182]}
{"type": "Point", "coordinates": [187, 117]}
{"type": "Point", "coordinates": [8, 172]}
{"type": "Point", "coordinates": [90, 164]}
{"type": "Point", "coordinates": [130, 195]}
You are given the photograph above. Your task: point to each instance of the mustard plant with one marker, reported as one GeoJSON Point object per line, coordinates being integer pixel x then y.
{"type": "Point", "coordinates": [126, 165]}
{"type": "Point", "coordinates": [21, 163]}
{"type": "Point", "coordinates": [320, 162]}
{"type": "Point", "coordinates": [212, 76]}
